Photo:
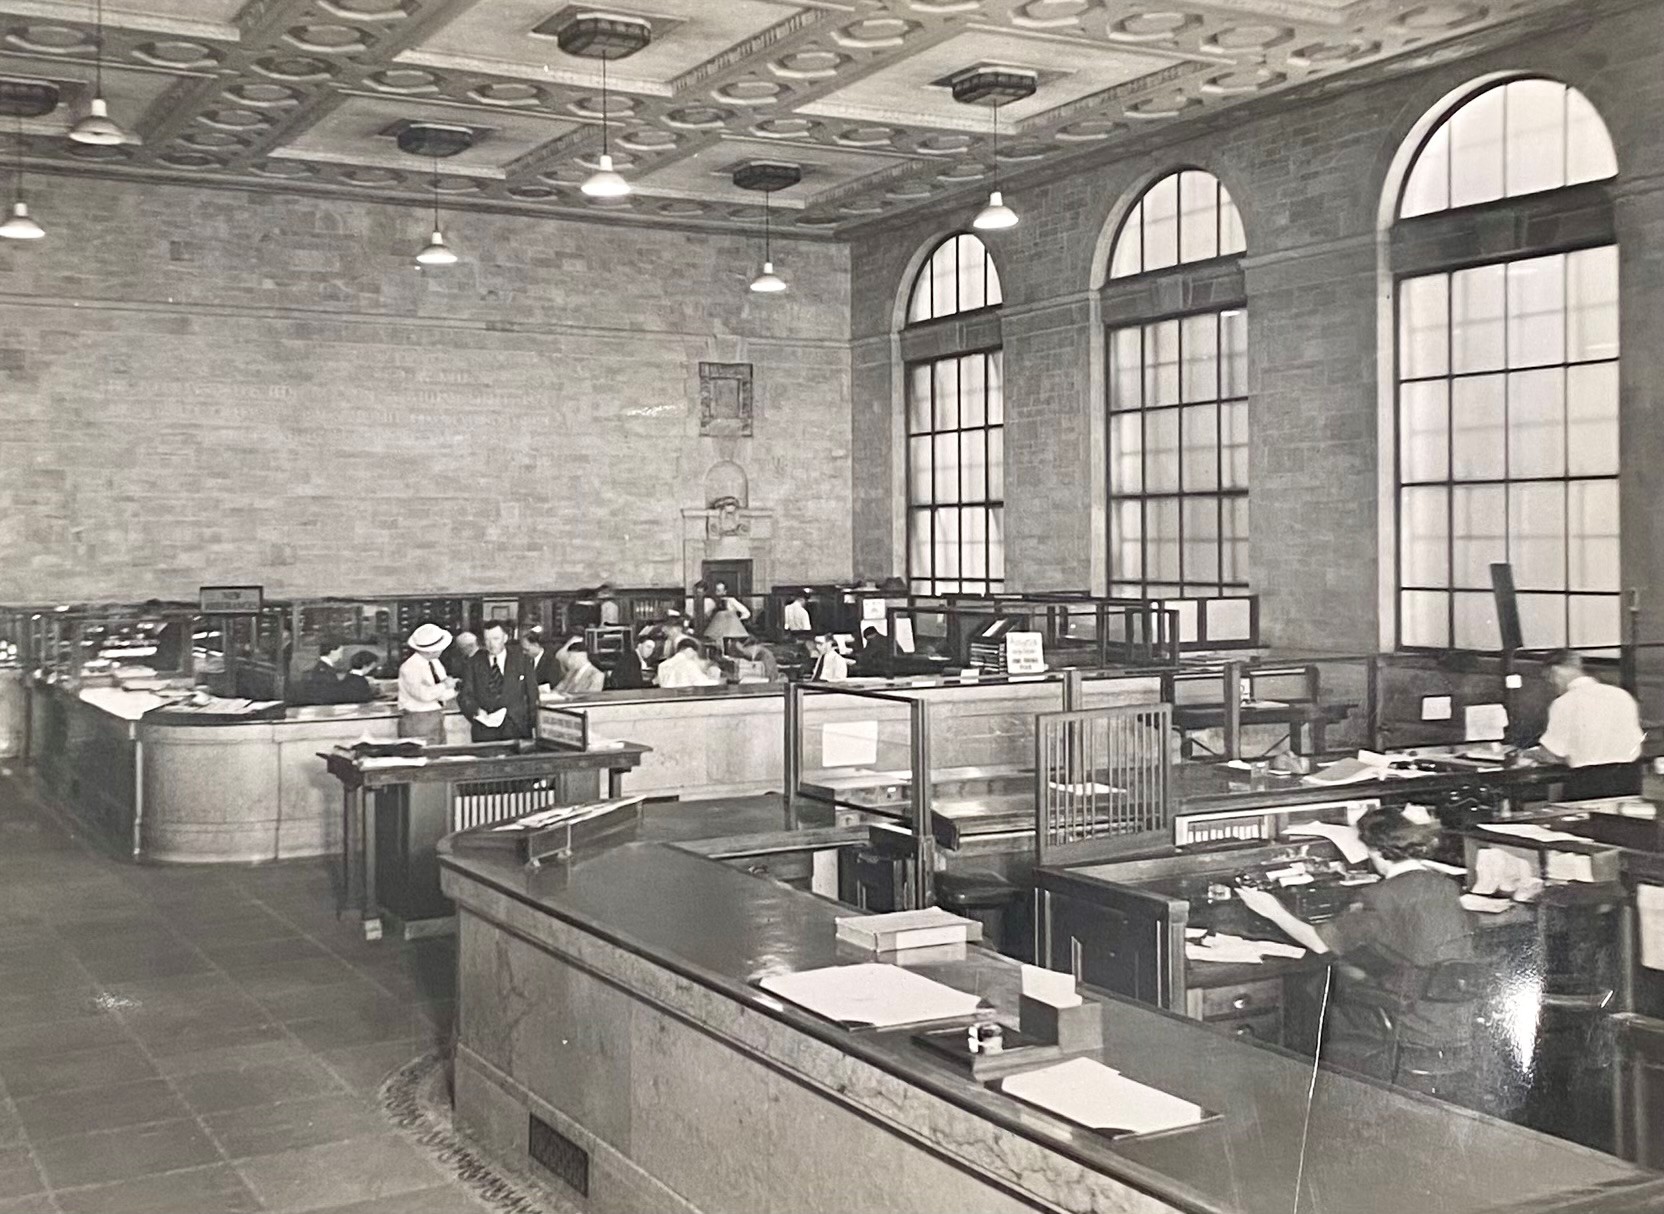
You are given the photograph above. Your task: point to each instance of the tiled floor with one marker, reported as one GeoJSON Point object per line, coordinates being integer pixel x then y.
{"type": "Point", "coordinates": [201, 1039]}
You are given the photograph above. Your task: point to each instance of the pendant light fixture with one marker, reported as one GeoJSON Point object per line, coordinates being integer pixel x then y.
{"type": "Point", "coordinates": [436, 252]}
{"type": "Point", "coordinates": [97, 127]}
{"type": "Point", "coordinates": [605, 182]}
{"type": "Point", "coordinates": [768, 282]}
{"type": "Point", "coordinates": [996, 215]}
{"type": "Point", "coordinates": [19, 225]}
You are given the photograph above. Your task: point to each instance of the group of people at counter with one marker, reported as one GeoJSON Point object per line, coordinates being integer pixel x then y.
{"type": "Point", "coordinates": [497, 684]}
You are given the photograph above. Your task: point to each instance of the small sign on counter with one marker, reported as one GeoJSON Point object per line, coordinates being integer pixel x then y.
{"type": "Point", "coordinates": [1025, 653]}
{"type": "Point", "coordinates": [231, 600]}
{"type": "Point", "coordinates": [563, 728]}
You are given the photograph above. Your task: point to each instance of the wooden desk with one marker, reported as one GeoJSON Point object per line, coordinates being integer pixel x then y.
{"type": "Point", "coordinates": [479, 763]}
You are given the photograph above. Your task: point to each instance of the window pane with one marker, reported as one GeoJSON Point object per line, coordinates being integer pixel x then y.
{"type": "Point", "coordinates": [1126, 453]}
{"type": "Point", "coordinates": [1233, 352]}
{"type": "Point", "coordinates": [996, 464]}
{"type": "Point", "coordinates": [996, 544]}
{"type": "Point", "coordinates": [1592, 420]}
{"type": "Point", "coordinates": [1596, 621]}
{"type": "Point", "coordinates": [1231, 239]}
{"type": "Point", "coordinates": [947, 467]}
{"type": "Point", "coordinates": [973, 466]}
{"type": "Point", "coordinates": [995, 294]}
{"type": "Point", "coordinates": [1589, 148]}
{"type": "Point", "coordinates": [1126, 537]}
{"type": "Point", "coordinates": [1233, 442]}
{"type": "Point", "coordinates": [1536, 135]}
{"type": "Point", "coordinates": [1161, 547]}
{"type": "Point", "coordinates": [1424, 431]}
{"type": "Point", "coordinates": [918, 399]}
{"type": "Point", "coordinates": [1198, 216]}
{"type": "Point", "coordinates": [1537, 535]}
{"type": "Point", "coordinates": [945, 542]}
{"type": "Point", "coordinates": [1428, 189]}
{"type": "Point", "coordinates": [1478, 428]}
{"type": "Point", "coordinates": [947, 393]}
{"type": "Point", "coordinates": [1233, 554]}
{"type": "Point", "coordinates": [944, 295]}
{"type": "Point", "coordinates": [1476, 626]}
{"type": "Point", "coordinates": [1542, 620]}
{"type": "Point", "coordinates": [1477, 328]}
{"type": "Point", "coordinates": [918, 544]}
{"type": "Point", "coordinates": [996, 388]}
{"type": "Point", "coordinates": [973, 288]}
{"type": "Point", "coordinates": [1127, 259]}
{"type": "Point", "coordinates": [1476, 151]}
{"type": "Point", "coordinates": [1592, 521]}
{"type": "Point", "coordinates": [1201, 545]}
{"type": "Point", "coordinates": [1478, 534]}
{"type": "Point", "coordinates": [1161, 224]}
{"type": "Point", "coordinates": [918, 306]}
{"type": "Point", "coordinates": [1161, 354]}
{"type": "Point", "coordinates": [919, 470]}
{"type": "Point", "coordinates": [1199, 338]}
{"type": "Point", "coordinates": [1424, 618]}
{"type": "Point", "coordinates": [1199, 430]}
{"type": "Point", "coordinates": [1161, 451]}
{"type": "Point", "coordinates": [1592, 303]}
{"type": "Point", "coordinates": [1423, 326]}
{"type": "Point", "coordinates": [1126, 368]}
{"type": "Point", "coordinates": [1424, 537]}
{"type": "Point", "coordinates": [973, 389]}
{"type": "Point", "coordinates": [1537, 311]}
{"type": "Point", "coordinates": [1537, 423]}
{"type": "Point", "coordinates": [973, 542]}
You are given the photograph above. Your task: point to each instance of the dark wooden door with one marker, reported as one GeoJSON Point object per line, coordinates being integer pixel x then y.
{"type": "Point", "coordinates": [736, 575]}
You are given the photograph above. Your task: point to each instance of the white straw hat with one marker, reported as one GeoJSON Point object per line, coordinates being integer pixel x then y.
{"type": "Point", "coordinates": [429, 640]}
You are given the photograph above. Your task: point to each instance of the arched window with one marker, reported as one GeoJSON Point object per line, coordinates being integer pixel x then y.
{"type": "Point", "coordinates": [1178, 401]}
{"type": "Point", "coordinates": [1507, 381]}
{"type": "Point", "coordinates": [956, 432]}
{"type": "Point", "coordinates": [959, 277]}
{"type": "Point", "coordinates": [1186, 216]}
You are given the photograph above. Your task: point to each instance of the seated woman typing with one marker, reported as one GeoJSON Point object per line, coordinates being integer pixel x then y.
{"type": "Point", "coordinates": [1401, 1001]}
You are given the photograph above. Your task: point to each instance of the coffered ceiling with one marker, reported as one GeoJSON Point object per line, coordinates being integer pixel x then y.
{"type": "Point", "coordinates": [309, 94]}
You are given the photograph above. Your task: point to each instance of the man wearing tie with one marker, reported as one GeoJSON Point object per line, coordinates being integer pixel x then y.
{"type": "Point", "coordinates": [499, 690]}
{"type": "Point", "coordinates": [830, 665]}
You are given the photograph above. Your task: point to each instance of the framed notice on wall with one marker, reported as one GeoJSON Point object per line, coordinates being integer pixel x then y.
{"type": "Point", "coordinates": [231, 600]}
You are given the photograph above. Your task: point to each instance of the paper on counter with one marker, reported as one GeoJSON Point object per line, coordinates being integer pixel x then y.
{"type": "Point", "coordinates": [1649, 915]}
{"type": "Point", "coordinates": [1224, 949]}
{"type": "Point", "coordinates": [1530, 830]}
{"type": "Point", "coordinates": [1091, 1094]}
{"type": "Point", "coordinates": [1050, 986]}
{"type": "Point", "coordinates": [871, 994]}
{"type": "Point", "coordinates": [1345, 838]}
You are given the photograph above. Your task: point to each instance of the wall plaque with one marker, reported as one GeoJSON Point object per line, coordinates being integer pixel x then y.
{"type": "Point", "coordinates": [725, 400]}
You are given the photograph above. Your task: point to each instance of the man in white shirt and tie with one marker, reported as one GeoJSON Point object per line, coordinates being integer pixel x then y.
{"type": "Point", "coordinates": [1594, 728]}
{"type": "Point", "coordinates": [796, 616]}
{"type": "Point", "coordinates": [424, 687]}
{"type": "Point", "coordinates": [830, 665]}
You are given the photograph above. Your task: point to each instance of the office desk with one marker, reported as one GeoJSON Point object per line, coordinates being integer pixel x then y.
{"type": "Point", "coordinates": [613, 1000]}
{"type": "Point", "coordinates": [1307, 722]}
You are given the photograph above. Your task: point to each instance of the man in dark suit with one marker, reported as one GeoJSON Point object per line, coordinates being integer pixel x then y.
{"type": "Point", "coordinates": [546, 671]}
{"type": "Point", "coordinates": [498, 695]}
{"type": "Point", "coordinates": [322, 683]}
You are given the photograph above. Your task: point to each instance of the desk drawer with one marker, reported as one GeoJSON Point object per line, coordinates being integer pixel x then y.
{"type": "Point", "coordinates": [1242, 999]}
{"type": "Point", "coordinates": [790, 868]}
{"type": "Point", "coordinates": [1266, 1028]}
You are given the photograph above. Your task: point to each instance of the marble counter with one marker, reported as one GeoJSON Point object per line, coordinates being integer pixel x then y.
{"type": "Point", "coordinates": [614, 1000]}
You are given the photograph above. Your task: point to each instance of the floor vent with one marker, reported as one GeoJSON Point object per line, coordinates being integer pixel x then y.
{"type": "Point", "coordinates": [559, 1154]}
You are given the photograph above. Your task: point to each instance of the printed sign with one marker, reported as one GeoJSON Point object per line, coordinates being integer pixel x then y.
{"type": "Point", "coordinates": [231, 600]}
{"type": "Point", "coordinates": [563, 729]}
{"type": "Point", "coordinates": [1025, 653]}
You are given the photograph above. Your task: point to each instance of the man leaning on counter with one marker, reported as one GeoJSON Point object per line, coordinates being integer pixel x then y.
{"type": "Point", "coordinates": [1594, 728]}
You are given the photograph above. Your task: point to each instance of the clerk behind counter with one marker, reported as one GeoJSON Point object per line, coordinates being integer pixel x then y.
{"type": "Point", "coordinates": [1594, 728]}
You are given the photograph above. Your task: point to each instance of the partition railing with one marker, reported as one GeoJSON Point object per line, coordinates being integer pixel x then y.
{"type": "Point", "coordinates": [1098, 772]}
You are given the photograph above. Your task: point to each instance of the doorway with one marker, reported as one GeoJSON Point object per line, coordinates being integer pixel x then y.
{"type": "Point", "coordinates": [736, 575]}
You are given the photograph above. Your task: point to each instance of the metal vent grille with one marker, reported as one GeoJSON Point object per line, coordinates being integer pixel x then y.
{"type": "Point", "coordinates": [563, 1158]}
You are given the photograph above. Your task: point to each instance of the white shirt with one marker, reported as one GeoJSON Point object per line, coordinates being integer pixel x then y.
{"type": "Point", "coordinates": [685, 669]}
{"type": "Point", "coordinates": [796, 618]}
{"type": "Point", "coordinates": [422, 685]}
{"type": "Point", "coordinates": [831, 667]}
{"type": "Point", "coordinates": [1593, 723]}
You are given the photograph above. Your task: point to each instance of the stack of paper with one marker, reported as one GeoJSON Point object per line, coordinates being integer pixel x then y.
{"type": "Point", "coordinates": [907, 929]}
{"type": "Point", "coordinates": [1238, 950]}
{"type": "Point", "coordinates": [1343, 837]}
{"type": "Point", "coordinates": [1091, 1094]}
{"type": "Point", "coordinates": [1349, 771]}
{"type": "Point", "coordinates": [872, 995]}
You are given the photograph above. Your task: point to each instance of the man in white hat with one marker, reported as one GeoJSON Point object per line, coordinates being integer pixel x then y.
{"type": "Point", "coordinates": [424, 687]}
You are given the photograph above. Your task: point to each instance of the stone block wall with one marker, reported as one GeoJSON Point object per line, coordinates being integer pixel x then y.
{"type": "Point", "coordinates": [1308, 176]}
{"type": "Point", "coordinates": [208, 386]}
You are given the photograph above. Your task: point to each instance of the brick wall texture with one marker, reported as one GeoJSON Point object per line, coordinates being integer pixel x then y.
{"type": "Point", "coordinates": [1308, 178]}
{"type": "Point", "coordinates": [206, 386]}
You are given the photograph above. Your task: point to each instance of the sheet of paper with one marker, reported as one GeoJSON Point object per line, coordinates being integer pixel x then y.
{"type": "Point", "coordinates": [1485, 722]}
{"type": "Point", "coordinates": [1090, 789]}
{"type": "Point", "coordinates": [1530, 830]}
{"type": "Point", "coordinates": [1091, 1094]}
{"type": "Point", "coordinates": [1649, 914]}
{"type": "Point", "coordinates": [1436, 708]}
{"type": "Point", "coordinates": [491, 720]}
{"type": "Point", "coordinates": [1485, 905]}
{"type": "Point", "coordinates": [1569, 866]}
{"type": "Point", "coordinates": [882, 996]}
{"type": "Point", "coordinates": [849, 744]}
{"type": "Point", "coordinates": [1343, 837]}
{"type": "Point", "coordinates": [1503, 870]}
{"type": "Point", "coordinates": [1050, 986]}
